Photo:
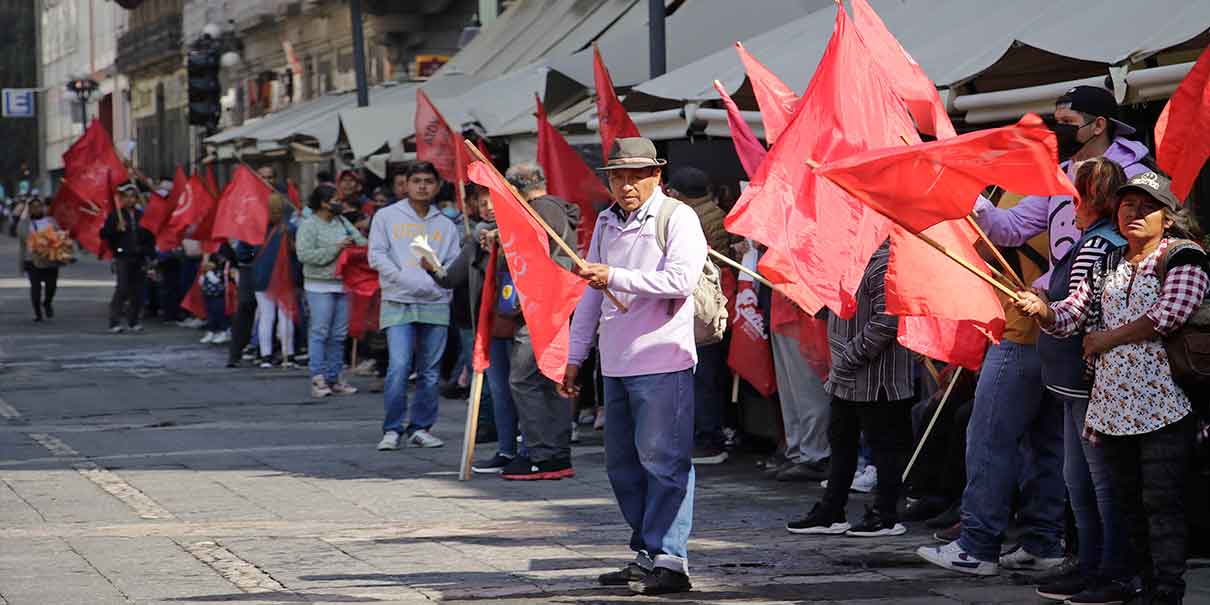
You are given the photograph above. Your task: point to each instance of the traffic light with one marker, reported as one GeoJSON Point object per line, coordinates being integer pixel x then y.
{"type": "Point", "coordinates": [205, 91]}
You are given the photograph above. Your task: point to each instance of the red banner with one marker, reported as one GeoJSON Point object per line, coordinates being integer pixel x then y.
{"type": "Point", "coordinates": [92, 164]}
{"type": "Point", "coordinates": [568, 177]}
{"type": "Point", "coordinates": [749, 149]}
{"type": "Point", "coordinates": [775, 99]}
{"type": "Point", "coordinates": [614, 122]}
{"type": "Point", "coordinates": [82, 218]}
{"type": "Point", "coordinates": [361, 284]}
{"type": "Point", "coordinates": [750, 354]}
{"type": "Point", "coordinates": [243, 211]}
{"type": "Point", "coordinates": [1182, 150]}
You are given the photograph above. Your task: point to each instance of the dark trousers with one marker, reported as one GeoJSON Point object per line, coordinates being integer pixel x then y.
{"type": "Point", "coordinates": [129, 291]}
{"type": "Point", "coordinates": [42, 285]}
{"type": "Point", "coordinates": [888, 432]}
{"type": "Point", "coordinates": [543, 416]}
{"type": "Point", "coordinates": [940, 471]}
{"type": "Point", "coordinates": [708, 393]}
{"type": "Point", "coordinates": [1150, 471]}
{"type": "Point", "coordinates": [241, 322]}
{"type": "Point", "coordinates": [170, 283]}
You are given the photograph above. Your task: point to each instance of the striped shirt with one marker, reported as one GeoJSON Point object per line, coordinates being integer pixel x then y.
{"type": "Point", "coordinates": [1093, 250]}
{"type": "Point", "coordinates": [868, 364]}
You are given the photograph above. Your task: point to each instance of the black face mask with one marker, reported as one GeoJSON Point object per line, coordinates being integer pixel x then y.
{"type": "Point", "coordinates": [1069, 139]}
{"type": "Point", "coordinates": [336, 207]}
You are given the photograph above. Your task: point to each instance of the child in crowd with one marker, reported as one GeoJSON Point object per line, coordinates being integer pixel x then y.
{"type": "Point", "coordinates": [214, 290]}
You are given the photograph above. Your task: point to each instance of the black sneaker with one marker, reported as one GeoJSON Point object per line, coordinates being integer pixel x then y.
{"type": "Point", "coordinates": [661, 581]}
{"type": "Point", "coordinates": [709, 455]}
{"type": "Point", "coordinates": [49, 310]}
{"type": "Point", "coordinates": [1102, 593]}
{"type": "Point", "coordinates": [1063, 587]}
{"type": "Point", "coordinates": [946, 518]}
{"type": "Point", "coordinates": [547, 470]}
{"type": "Point", "coordinates": [874, 524]}
{"type": "Point", "coordinates": [924, 508]}
{"type": "Point", "coordinates": [820, 521]}
{"type": "Point", "coordinates": [631, 573]}
{"type": "Point", "coordinates": [493, 466]}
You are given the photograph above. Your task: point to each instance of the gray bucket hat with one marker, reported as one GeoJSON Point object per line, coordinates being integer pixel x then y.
{"type": "Point", "coordinates": [632, 152]}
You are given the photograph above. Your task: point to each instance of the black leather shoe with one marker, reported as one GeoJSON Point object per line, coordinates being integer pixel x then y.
{"type": "Point", "coordinates": [623, 577]}
{"type": "Point", "coordinates": [661, 581]}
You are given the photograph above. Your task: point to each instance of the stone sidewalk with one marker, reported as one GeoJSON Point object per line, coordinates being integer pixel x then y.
{"type": "Point", "coordinates": [136, 469]}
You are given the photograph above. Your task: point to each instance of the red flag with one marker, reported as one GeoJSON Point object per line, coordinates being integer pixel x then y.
{"type": "Point", "coordinates": [211, 184]}
{"type": "Point", "coordinates": [481, 357]}
{"type": "Point", "coordinates": [749, 149]}
{"type": "Point", "coordinates": [193, 206]}
{"type": "Point", "coordinates": [776, 100]}
{"type": "Point", "coordinates": [919, 186]}
{"type": "Point", "coordinates": [750, 354]}
{"type": "Point", "coordinates": [548, 292]}
{"type": "Point", "coordinates": [361, 284]}
{"type": "Point", "coordinates": [243, 211]}
{"type": "Point", "coordinates": [230, 292]}
{"type": "Point", "coordinates": [282, 289]}
{"type": "Point", "coordinates": [613, 121]}
{"type": "Point", "coordinates": [82, 218]}
{"type": "Point", "coordinates": [819, 245]}
{"type": "Point", "coordinates": [811, 333]}
{"type": "Point", "coordinates": [1183, 151]}
{"type": "Point", "coordinates": [194, 302]}
{"type": "Point", "coordinates": [292, 193]}
{"type": "Point", "coordinates": [156, 215]}
{"type": "Point", "coordinates": [436, 142]}
{"type": "Point", "coordinates": [906, 76]}
{"type": "Point", "coordinates": [92, 163]}
{"type": "Point", "coordinates": [568, 177]}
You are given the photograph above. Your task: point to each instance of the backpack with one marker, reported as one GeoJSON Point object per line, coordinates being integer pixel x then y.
{"type": "Point", "coordinates": [709, 302]}
{"type": "Point", "coordinates": [1188, 347]}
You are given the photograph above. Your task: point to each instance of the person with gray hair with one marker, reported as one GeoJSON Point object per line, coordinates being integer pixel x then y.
{"type": "Point", "coordinates": [527, 177]}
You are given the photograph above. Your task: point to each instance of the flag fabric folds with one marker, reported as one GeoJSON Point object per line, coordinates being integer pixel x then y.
{"type": "Point", "coordinates": [436, 142]}
{"type": "Point", "coordinates": [194, 302]}
{"type": "Point", "coordinates": [155, 221]}
{"type": "Point", "coordinates": [775, 99]}
{"type": "Point", "coordinates": [548, 292]}
{"type": "Point", "coordinates": [82, 218]}
{"type": "Point", "coordinates": [568, 177]}
{"type": "Point", "coordinates": [193, 206]}
{"type": "Point", "coordinates": [282, 289]}
{"type": "Point", "coordinates": [243, 210]}
{"type": "Point", "coordinates": [1182, 134]}
{"type": "Point", "coordinates": [750, 355]}
{"type": "Point", "coordinates": [361, 284]}
{"type": "Point", "coordinates": [92, 164]}
{"type": "Point", "coordinates": [614, 122]}
{"type": "Point", "coordinates": [749, 149]}
{"type": "Point", "coordinates": [293, 195]}
{"type": "Point", "coordinates": [481, 356]}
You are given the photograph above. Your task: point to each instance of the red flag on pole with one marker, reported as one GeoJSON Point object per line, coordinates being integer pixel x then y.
{"type": "Point", "coordinates": [92, 164]}
{"type": "Point", "coordinates": [282, 290]}
{"type": "Point", "coordinates": [361, 284]}
{"type": "Point", "coordinates": [776, 100]}
{"type": "Point", "coordinates": [436, 142]}
{"type": "Point", "coordinates": [568, 177]}
{"type": "Point", "coordinates": [81, 217]}
{"type": "Point", "coordinates": [750, 354]}
{"type": "Point", "coordinates": [919, 186]}
{"type": "Point", "coordinates": [613, 121]}
{"type": "Point", "coordinates": [194, 302]}
{"type": "Point", "coordinates": [749, 149]}
{"type": "Point", "coordinates": [292, 193]}
{"type": "Point", "coordinates": [243, 211]}
{"type": "Point", "coordinates": [156, 216]}
{"type": "Point", "coordinates": [548, 292]}
{"type": "Point", "coordinates": [481, 357]}
{"type": "Point", "coordinates": [1182, 151]}
{"type": "Point", "coordinates": [193, 206]}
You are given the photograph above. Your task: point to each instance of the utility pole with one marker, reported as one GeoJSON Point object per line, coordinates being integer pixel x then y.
{"type": "Point", "coordinates": [359, 54]}
{"type": "Point", "coordinates": [656, 38]}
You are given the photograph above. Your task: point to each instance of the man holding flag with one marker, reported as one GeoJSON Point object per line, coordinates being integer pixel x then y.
{"type": "Point", "coordinates": [132, 245]}
{"type": "Point", "coordinates": [647, 354]}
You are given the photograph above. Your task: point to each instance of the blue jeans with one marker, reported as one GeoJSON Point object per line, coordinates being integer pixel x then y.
{"type": "Point", "coordinates": [326, 337]}
{"type": "Point", "coordinates": [708, 396]}
{"type": "Point", "coordinates": [1103, 537]}
{"type": "Point", "coordinates": [1015, 436]}
{"type": "Point", "coordinates": [503, 407]}
{"type": "Point", "coordinates": [466, 348]}
{"type": "Point", "coordinates": [216, 313]}
{"type": "Point", "coordinates": [420, 346]}
{"type": "Point", "coordinates": [648, 457]}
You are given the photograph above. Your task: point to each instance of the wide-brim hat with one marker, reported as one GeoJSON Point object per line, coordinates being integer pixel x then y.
{"type": "Point", "coordinates": [632, 152]}
{"type": "Point", "coordinates": [1155, 185]}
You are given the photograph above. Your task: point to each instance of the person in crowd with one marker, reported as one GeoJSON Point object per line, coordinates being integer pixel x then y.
{"type": "Point", "coordinates": [935, 486]}
{"type": "Point", "coordinates": [1102, 535]}
{"type": "Point", "coordinates": [131, 245]}
{"type": "Point", "coordinates": [873, 389]}
{"type": "Point", "coordinates": [415, 309]}
{"type": "Point", "coordinates": [269, 174]}
{"type": "Point", "coordinates": [43, 273]}
{"type": "Point", "coordinates": [214, 286]}
{"type": "Point", "coordinates": [269, 315]}
{"type": "Point", "coordinates": [245, 307]}
{"type": "Point", "coordinates": [320, 239]}
{"type": "Point", "coordinates": [378, 200]}
{"type": "Point", "coordinates": [647, 357]}
{"type": "Point", "coordinates": [692, 187]}
{"type": "Point", "coordinates": [805, 407]}
{"type": "Point", "coordinates": [1016, 436]}
{"type": "Point", "coordinates": [1132, 298]}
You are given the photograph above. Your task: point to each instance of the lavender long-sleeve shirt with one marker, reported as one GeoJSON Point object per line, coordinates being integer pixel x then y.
{"type": "Point", "coordinates": [655, 335]}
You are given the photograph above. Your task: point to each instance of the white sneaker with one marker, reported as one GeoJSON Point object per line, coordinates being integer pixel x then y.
{"type": "Point", "coordinates": [319, 387]}
{"type": "Point", "coordinates": [423, 438]}
{"type": "Point", "coordinates": [390, 441]}
{"type": "Point", "coordinates": [340, 387]}
{"type": "Point", "coordinates": [221, 338]}
{"type": "Point", "coordinates": [208, 338]}
{"type": "Point", "coordinates": [1020, 560]}
{"type": "Point", "coordinates": [136, 328]}
{"type": "Point", "coordinates": [116, 329]}
{"type": "Point", "coordinates": [952, 557]}
{"type": "Point", "coordinates": [575, 433]}
{"type": "Point", "coordinates": [865, 480]}
{"type": "Point", "coordinates": [366, 368]}
{"type": "Point", "coordinates": [196, 322]}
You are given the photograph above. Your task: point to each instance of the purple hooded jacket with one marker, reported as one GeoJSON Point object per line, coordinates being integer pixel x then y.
{"type": "Point", "coordinates": [1014, 226]}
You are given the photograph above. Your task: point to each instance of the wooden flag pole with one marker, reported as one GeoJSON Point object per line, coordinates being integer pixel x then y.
{"type": "Point", "coordinates": [353, 354]}
{"type": "Point", "coordinates": [472, 427]}
{"type": "Point", "coordinates": [928, 430]}
{"type": "Point", "coordinates": [534, 214]}
{"type": "Point", "coordinates": [734, 388]}
{"type": "Point", "coordinates": [460, 193]}
{"type": "Point", "coordinates": [932, 370]}
{"type": "Point", "coordinates": [740, 267]}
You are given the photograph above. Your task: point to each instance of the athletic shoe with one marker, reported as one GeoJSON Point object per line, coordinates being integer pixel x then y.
{"type": "Point", "coordinates": [288, 363]}
{"type": "Point", "coordinates": [340, 387]}
{"type": "Point", "coordinates": [709, 455]}
{"type": "Point", "coordinates": [924, 508]}
{"type": "Point", "coordinates": [661, 580]}
{"type": "Point", "coordinates": [492, 467]}
{"type": "Point", "coordinates": [319, 387]}
{"type": "Point", "coordinates": [1020, 560]}
{"type": "Point", "coordinates": [952, 557]}
{"type": "Point", "coordinates": [575, 433]}
{"type": "Point", "coordinates": [865, 481]}
{"type": "Point", "coordinates": [208, 338]}
{"type": "Point", "coordinates": [222, 338]}
{"type": "Point", "coordinates": [136, 328]}
{"type": "Point", "coordinates": [264, 363]}
{"type": "Point", "coordinates": [547, 470]}
{"type": "Point", "coordinates": [49, 309]}
{"type": "Point", "coordinates": [115, 329]}
{"type": "Point", "coordinates": [873, 525]}
{"type": "Point", "coordinates": [366, 368]}
{"type": "Point", "coordinates": [803, 471]}
{"type": "Point", "coordinates": [390, 441]}
{"type": "Point", "coordinates": [949, 534]}
{"type": "Point", "coordinates": [423, 438]}
{"type": "Point", "coordinates": [946, 518]}
{"type": "Point", "coordinates": [631, 573]}
{"type": "Point", "coordinates": [1064, 587]}
{"type": "Point", "coordinates": [1103, 593]}
{"type": "Point", "coordinates": [820, 521]}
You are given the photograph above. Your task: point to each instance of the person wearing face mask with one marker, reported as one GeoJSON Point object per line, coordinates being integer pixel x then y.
{"type": "Point", "coordinates": [43, 273]}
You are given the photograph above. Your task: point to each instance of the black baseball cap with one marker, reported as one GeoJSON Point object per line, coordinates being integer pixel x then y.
{"type": "Point", "coordinates": [1155, 185]}
{"type": "Point", "coordinates": [1094, 101]}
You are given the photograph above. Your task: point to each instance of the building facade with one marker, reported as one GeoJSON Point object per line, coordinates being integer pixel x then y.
{"type": "Point", "coordinates": [18, 69]}
{"type": "Point", "coordinates": [150, 57]}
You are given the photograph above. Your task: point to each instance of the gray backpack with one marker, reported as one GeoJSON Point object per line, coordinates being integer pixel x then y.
{"type": "Point", "coordinates": [709, 302]}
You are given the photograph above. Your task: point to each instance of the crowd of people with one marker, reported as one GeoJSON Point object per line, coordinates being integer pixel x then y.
{"type": "Point", "coordinates": [1075, 409]}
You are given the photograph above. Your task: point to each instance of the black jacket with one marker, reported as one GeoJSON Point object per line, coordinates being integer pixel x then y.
{"type": "Point", "coordinates": [131, 242]}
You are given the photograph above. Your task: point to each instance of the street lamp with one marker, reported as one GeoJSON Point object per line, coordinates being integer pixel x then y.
{"type": "Point", "coordinates": [83, 89]}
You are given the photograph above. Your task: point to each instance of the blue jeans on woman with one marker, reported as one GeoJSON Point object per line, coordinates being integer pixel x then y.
{"type": "Point", "coordinates": [1102, 532]}
{"type": "Point", "coordinates": [413, 346]}
{"type": "Point", "coordinates": [326, 337]}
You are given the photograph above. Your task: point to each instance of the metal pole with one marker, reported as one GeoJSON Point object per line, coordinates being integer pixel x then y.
{"type": "Point", "coordinates": [656, 39]}
{"type": "Point", "coordinates": [359, 54]}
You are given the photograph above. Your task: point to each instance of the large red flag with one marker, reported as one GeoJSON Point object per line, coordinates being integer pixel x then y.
{"type": "Point", "coordinates": [750, 354]}
{"type": "Point", "coordinates": [436, 142]}
{"type": "Point", "coordinates": [776, 100]}
{"type": "Point", "coordinates": [481, 358]}
{"type": "Point", "coordinates": [92, 163]}
{"type": "Point", "coordinates": [819, 237]}
{"type": "Point", "coordinates": [193, 206]}
{"type": "Point", "coordinates": [568, 177]}
{"type": "Point", "coordinates": [749, 149]}
{"type": "Point", "coordinates": [548, 292]}
{"type": "Point", "coordinates": [82, 218]}
{"type": "Point", "coordinates": [613, 121]}
{"type": "Point", "coordinates": [906, 76]}
{"type": "Point", "coordinates": [361, 285]}
{"type": "Point", "coordinates": [1182, 151]}
{"type": "Point", "coordinates": [282, 290]}
{"type": "Point", "coordinates": [919, 186]}
{"type": "Point", "coordinates": [243, 211]}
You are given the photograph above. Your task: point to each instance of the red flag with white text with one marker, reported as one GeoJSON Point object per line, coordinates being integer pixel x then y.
{"type": "Point", "coordinates": [81, 217]}
{"type": "Point", "coordinates": [92, 164]}
{"type": "Point", "coordinates": [436, 142]}
{"type": "Point", "coordinates": [243, 210]}
{"type": "Point", "coordinates": [750, 355]}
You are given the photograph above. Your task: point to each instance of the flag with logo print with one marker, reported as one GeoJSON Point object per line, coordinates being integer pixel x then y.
{"type": "Point", "coordinates": [750, 354]}
{"type": "Point", "coordinates": [243, 211]}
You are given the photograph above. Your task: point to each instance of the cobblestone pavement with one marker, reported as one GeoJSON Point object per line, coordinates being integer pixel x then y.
{"type": "Point", "coordinates": [135, 469]}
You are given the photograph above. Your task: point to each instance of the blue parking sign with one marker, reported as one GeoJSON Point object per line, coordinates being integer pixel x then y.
{"type": "Point", "coordinates": [19, 103]}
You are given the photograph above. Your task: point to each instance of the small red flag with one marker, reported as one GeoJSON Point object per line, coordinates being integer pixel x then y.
{"type": "Point", "coordinates": [194, 302]}
{"type": "Point", "coordinates": [481, 357]}
{"type": "Point", "coordinates": [1182, 151]}
{"type": "Point", "coordinates": [82, 218]}
{"type": "Point", "coordinates": [775, 99]}
{"type": "Point", "coordinates": [361, 284]}
{"type": "Point", "coordinates": [750, 354]}
{"type": "Point", "coordinates": [243, 210]}
{"type": "Point", "coordinates": [749, 149]}
{"type": "Point", "coordinates": [282, 290]}
{"type": "Point", "coordinates": [568, 177]}
{"type": "Point", "coordinates": [613, 121]}
{"type": "Point", "coordinates": [548, 292]}
{"type": "Point", "coordinates": [192, 208]}
{"type": "Point", "coordinates": [292, 193]}
{"type": "Point", "coordinates": [921, 185]}
{"type": "Point", "coordinates": [436, 142]}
